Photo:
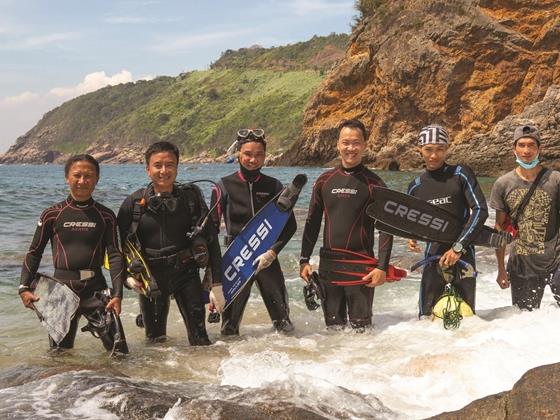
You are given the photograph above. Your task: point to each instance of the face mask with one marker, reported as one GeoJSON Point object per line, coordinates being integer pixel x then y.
{"type": "Point", "coordinates": [162, 200]}
{"type": "Point", "coordinates": [529, 165]}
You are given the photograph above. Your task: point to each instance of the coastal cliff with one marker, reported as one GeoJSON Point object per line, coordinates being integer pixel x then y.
{"type": "Point", "coordinates": [475, 67]}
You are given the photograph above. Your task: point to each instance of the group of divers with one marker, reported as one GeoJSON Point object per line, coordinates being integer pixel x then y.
{"type": "Point", "coordinates": [158, 230]}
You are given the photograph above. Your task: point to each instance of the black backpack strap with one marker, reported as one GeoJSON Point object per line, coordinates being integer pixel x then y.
{"type": "Point", "coordinates": [138, 209]}
{"type": "Point", "coordinates": [224, 203]}
{"type": "Point", "coordinates": [193, 199]}
{"type": "Point", "coordinates": [515, 217]}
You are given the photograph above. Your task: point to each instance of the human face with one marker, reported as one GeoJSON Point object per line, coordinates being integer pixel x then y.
{"type": "Point", "coordinates": [351, 146]}
{"type": "Point", "coordinates": [252, 155]}
{"type": "Point", "coordinates": [162, 170]}
{"type": "Point", "coordinates": [434, 155]}
{"type": "Point", "coordinates": [526, 149]}
{"type": "Point", "coordinates": [82, 178]}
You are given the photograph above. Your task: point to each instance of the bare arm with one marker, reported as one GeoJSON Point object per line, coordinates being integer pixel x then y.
{"type": "Point", "coordinates": [502, 278]}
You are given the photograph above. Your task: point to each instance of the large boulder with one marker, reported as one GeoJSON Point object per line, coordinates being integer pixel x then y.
{"type": "Point", "coordinates": [535, 396]}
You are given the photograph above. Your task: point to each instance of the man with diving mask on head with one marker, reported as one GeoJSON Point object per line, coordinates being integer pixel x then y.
{"type": "Point", "coordinates": [163, 226]}
{"type": "Point", "coordinates": [239, 196]}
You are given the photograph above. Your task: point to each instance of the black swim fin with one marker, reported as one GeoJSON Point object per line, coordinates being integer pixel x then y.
{"type": "Point", "coordinates": [288, 197]}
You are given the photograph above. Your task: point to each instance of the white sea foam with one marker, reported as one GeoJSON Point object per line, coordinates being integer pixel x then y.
{"type": "Point", "coordinates": [415, 367]}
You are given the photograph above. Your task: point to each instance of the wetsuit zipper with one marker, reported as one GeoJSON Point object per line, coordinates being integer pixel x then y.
{"type": "Point", "coordinates": [251, 196]}
{"type": "Point", "coordinates": [161, 230]}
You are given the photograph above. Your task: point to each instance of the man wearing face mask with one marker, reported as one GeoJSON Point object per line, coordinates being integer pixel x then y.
{"type": "Point", "coordinates": [528, 199]}
{"type": "Point", "coordinates": [241, 195]}
{"type": "Point", "coordinates": [160, 221]}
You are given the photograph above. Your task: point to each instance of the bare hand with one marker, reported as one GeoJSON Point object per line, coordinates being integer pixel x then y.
{"type": "Point", "coordinates": [305, 271]}
{"type": "Point", "coordinates": [413, 246]}
{"type": "Point", "coordinates": [376, 277]}
{"type": "Point", "coordinates": [449, 258]}
{"type": "Point", "coordinates": [115, 305]}
{"type": "Point", "coordinates": [217, 298]}
{"type": "Point", "coordinates": [502, 279]}
{"type": "Point", "coordinates": [28, 298]}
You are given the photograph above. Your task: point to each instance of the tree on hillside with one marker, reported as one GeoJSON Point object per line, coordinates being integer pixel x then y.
{"type": "Point", "coordinates": [366, 8]}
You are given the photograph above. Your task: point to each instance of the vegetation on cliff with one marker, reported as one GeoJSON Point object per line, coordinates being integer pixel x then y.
{"type": "Point", "coordinates": [199, 110]}
{"type": "Point", "coordinates": [318, 53]}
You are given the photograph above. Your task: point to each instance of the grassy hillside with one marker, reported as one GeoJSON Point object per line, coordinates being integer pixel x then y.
{"type": "Point", "coordinates": [202, 110]}
{"type": "Point", "coordinates": [199, 110]}
{"type": "Point", "coordinates": [318, 53]}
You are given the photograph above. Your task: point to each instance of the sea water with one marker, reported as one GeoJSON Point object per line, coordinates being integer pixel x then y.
{"type": "Point", "coordinates": [403, 368]}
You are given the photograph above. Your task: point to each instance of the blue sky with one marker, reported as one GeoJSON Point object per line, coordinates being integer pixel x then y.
{"type": "Point", "coordinates": [54, 50]}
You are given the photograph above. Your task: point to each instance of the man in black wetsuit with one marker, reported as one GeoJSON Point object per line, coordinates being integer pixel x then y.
{"type": "Point", "coordinates": [241, 195]}
{"type": "Point", "coordinates": [159, 220]}
{"type": "Point", "coordinates": [81, 230]}
{"type": "Point", "coordinates": [342, 195]}
{"type": "Point", "coordinates": [456, 189]}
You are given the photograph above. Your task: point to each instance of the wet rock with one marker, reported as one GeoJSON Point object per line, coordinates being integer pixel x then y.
{"type": "Point", "coordinates": [492, 153]}
{"type": "Point", "coordinates": [535, 396]}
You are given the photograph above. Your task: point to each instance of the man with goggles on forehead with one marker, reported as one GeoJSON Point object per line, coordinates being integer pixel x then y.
{"type": "Point", "coordinates": [162, 222]}
{"type": "Point", "coordinates": [241, 195]}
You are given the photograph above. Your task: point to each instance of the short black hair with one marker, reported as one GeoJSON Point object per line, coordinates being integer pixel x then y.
{"type": "Point", "coordinates": [161, 146]}
{"type": "Point", "coordinates": [80, 158]}
{"type": "Point", "coordinates": [353, 123]}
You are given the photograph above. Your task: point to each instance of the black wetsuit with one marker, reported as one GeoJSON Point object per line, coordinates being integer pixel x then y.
{"type": "Point", "coordinates": [342, 195]}
{"type": "Point", "coordinates": [242, 195]}
{"type": "Point", "coordinates": [80, 234]}
{"type": "Point", "coordinates": [161, 234]}
{"type": "Point", "coordinates": [456, 189]}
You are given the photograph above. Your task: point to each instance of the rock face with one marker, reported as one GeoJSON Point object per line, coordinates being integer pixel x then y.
{"type": "Point", "coordinates": [491, 152]}
{"type": "Point", "coordinates": [534, 396]}
{"type": "Point", "coordinates": [466, 64]}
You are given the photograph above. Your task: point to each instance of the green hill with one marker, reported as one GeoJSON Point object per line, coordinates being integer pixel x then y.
{"type": "Point", "coordinates": [319, 53]}
{"type": "Point", "coordinates": [199, 110]}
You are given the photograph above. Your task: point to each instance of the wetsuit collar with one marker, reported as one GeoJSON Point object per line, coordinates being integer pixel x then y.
{"type": "Point", "coordinates": [247, 175]}
{"type": "Point", "coordinates": [80, 204]}
{"type": "Point", "coordinates": [353, 170]}
{"type": "Point", "coordinates": [439, 170]}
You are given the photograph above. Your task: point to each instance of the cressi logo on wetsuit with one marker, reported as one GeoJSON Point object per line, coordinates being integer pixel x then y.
{"type": "Point", "coordinates": [79, 224]}
{"type": "Point", "coordinates": [346, 224]}
{"type": "Point", "coordinates": [80, 233]}
{"type": "Point", "coordinates": [344, 191]}
{"type": "Point", "coordinates": [442, 200]}
{"type": "Point", "coordinates": [424, 219]}
{"type": "Point", "coordinates": [248, 250]}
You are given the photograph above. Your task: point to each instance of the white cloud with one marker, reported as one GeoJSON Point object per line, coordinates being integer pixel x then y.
{"type": "Point", "coordinates": [22, 98]}
{"type": "Point", "coordinates": [117, 20]}
{"type": "Point", "coordinates": [323, 7]}
{"type": "Point", "coordinates": [19, 113]}
{"type": "Point", "coordinates": [40, 41]}
{"type": "Point", "coordinates": [92, 82]}
{"type": "Point", "coordinates": [136, 20]}
{"type": "Point", "coordinates": [177, 44]}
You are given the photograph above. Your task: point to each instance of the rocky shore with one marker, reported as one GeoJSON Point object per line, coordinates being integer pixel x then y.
{"type": "Point", "coordinates": [535, 396]}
